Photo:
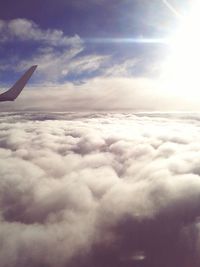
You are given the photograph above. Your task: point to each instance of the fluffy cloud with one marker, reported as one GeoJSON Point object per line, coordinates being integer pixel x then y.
{"type": "Point", "coordinates": [88, 189]}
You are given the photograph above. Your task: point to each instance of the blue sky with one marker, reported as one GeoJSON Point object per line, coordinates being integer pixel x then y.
{"type": "Point", "coordinates": [95, 24]}
{"type": "Point", "coordinates": [110, 51]}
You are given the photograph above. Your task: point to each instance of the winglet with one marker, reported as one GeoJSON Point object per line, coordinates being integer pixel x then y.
{"type": "Point", "coordinates": [16, 89]}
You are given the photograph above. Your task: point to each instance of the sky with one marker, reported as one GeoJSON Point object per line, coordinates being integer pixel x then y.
{"type": "Point", "coordinates": [95, 168]}
{"type": "Point", "coordinates": [81, 43]}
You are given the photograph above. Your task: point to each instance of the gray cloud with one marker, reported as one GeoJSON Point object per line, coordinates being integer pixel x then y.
{"type": "Point", "coordinates": [89, 189]}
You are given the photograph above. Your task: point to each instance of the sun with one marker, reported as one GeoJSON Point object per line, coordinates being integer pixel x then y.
{"type": "Point", "coordinates": [181, 70]}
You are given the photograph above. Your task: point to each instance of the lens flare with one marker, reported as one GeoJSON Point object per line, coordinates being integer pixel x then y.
{"type": "Point", "coordinates": [137, 40]}
{"type": "Point", "coordinates": [172, 9]}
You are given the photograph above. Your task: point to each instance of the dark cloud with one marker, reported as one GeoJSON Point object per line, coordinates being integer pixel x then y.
{"type": "Point", "coordinates": [88, 189]}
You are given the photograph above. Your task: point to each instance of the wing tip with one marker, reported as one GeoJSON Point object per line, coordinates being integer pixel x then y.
{"type": "Point", "coordinates": [16, 89]}
{"type": "Point", "coordinates": [34, 67]}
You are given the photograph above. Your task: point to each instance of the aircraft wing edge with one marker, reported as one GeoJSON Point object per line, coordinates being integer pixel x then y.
{"type": "Point", "coordinates": [15, 90]}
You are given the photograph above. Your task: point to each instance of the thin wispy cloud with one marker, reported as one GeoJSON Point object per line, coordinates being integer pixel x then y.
{"type": "Point", "coordinates": [56, 54]}
{"type": "Point", "coordinates": [24, 30]}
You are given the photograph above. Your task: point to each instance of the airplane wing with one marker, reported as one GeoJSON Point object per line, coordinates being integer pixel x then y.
{"type": "Point", "coordinates": [16, 89]}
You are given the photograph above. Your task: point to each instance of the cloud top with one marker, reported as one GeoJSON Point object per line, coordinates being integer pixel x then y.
{"type": "Point", "coordinates": [99, 189]}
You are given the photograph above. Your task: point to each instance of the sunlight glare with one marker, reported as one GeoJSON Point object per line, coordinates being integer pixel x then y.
{"type": "Point", "coordinates": [181, 72]}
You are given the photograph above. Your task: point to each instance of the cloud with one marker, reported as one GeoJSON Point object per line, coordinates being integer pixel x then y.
{"type": "Point", "coordinates": [57, 55]}
{"type": "Point", "coordinates": [107, 189]}
{"type": "Point", "coordinates": [101, 93]}
{"type": "Point", "coordinates": [24, 29]}
{"type": "Point", "coordinates": [125, 69]}
{"type": "Point", "coordinates": [60, 58]}
{"type": "Point", "coordinates": [69, 77]}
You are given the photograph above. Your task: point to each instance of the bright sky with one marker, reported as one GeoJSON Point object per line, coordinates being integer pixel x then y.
{"type": "Point", "coordinates": [79, 41]}
{"type": "Point", "coordinates": [103, 30]}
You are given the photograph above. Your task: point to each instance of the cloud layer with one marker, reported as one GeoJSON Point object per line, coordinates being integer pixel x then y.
{"type": "Point", "coordinates": [88, 189]}
{"type": "Point", "coordinates": [101, 93]}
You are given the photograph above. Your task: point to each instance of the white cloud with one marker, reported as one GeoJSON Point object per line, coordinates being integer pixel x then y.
{"type": "Point", "coordinates": [61, 57]}
{"type": "Point", "coordinates": [56, 54]}
{"type": "Point", "coordinates": [101, 93]}
{"type": "Point", "coordinates": [123, 69]}
{"type": "Point", "coordinates": [88, 189]}
{"type": "Point", "coordinates": [24, 29]}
